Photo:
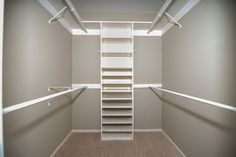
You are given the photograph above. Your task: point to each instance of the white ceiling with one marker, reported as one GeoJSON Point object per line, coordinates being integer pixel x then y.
{"type": "Point", "coordinates": [118, 6]}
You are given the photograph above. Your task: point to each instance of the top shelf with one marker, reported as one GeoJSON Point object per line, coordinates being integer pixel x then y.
{"type": "Point", "coordinates": [116, 33]}
{"type": "Point", "coordinates": [116, 30]}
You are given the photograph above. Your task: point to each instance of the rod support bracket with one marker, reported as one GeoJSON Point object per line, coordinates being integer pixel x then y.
{"type": "Point", "coordinates": [172, 20]}
{"type": "Point", "coordinates": [56, 15]}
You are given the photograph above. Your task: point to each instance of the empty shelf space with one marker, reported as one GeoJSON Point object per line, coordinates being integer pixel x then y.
{"type": "Point", "coordinates": [116, 88]}
{"type": "Point", "coordinates": [117, 78]}
{"type": "Point", "coordinates": [117, 107]}
{"type": "Point", "coordinates": [110, 36]}
{"type": "Point", "coordinates": [117, 81]}
{"type": "Point", "coordinates": [116, 112]}
{"type": "Point", "coordinates": [116, 73]}
{"type": "Point", "coordinates": [117, 62]}
{"type": "Point", "coordinates": [116, 41]}
{"type": "Point", "coordinates": [116, 33]}
{"type": "Point", "coordinates": [117, 104]}
{"type": "Point", "coordinates": [116, 91]}
{"type": "Point", "coordinates": [117, 128]}
{"type": "Point", "coordinates": [117, 48]}
{"type": "Point", "coordinates": [115, 54]}
{"type": "Point", "coordinates": [117, 68]}
{"type": "Point", "coordinates": [117, 95]}
{"type": "Point", "coordinates": [117, 136]}
{"type": "Point", "coordinates": [114, 25]}
{"type": "Point", "coordinates": [114, 99]}
{"type": "Point", "coordinates": [117, 120]}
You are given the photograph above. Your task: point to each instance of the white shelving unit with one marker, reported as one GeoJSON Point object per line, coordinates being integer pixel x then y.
{"type": "Point", "coordinates": [117, 94]}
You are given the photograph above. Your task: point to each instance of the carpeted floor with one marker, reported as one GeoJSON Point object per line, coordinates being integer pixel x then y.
{"type": "Point", "coordinates": [154, 144]}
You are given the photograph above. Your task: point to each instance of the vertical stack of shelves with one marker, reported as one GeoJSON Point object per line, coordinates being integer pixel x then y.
{"type": "Point", "coordinates": [117, 109]}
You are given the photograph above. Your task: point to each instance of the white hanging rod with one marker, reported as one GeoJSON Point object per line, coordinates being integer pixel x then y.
{"type": "Point", "coordinates": [55, 16]}
{"type": "Point", "coordinates": [38, 100]}
{"type": "Point", "coordinates": [159, 15]}
{"type": "Point", "coordinates": [212, 103]}
{"type": "Point", "coordinates": [173, 20]}
{"type": "Point", "coordinates": [72, 8]}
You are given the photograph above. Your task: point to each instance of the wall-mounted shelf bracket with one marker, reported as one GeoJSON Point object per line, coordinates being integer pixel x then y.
{"type": "Point", "coordinates": [172, 20]}
{"type": "Point", "coordinates": [57, 14]}
{"type": "Point", "coordinates": [57, 90]}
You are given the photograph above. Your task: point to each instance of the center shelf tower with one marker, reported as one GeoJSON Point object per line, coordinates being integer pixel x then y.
{"type": "Point", "coordinates": [117, 93]}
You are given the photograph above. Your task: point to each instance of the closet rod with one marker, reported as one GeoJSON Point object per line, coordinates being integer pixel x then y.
{"type": "Point", "coordinates": [38, 100]}
{"type": "Point", "coordinates": [159, 15]}
{"type": "Point", "coordinates": [72, 8]}
{"type": "Point", "coordinates": [212, 103]}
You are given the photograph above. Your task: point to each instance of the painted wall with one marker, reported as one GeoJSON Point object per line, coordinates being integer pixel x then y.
{"type": "Point", "coordinates": [36, 55]}
{"type": "Point", "coordinates": [199, 60]}
{"type": "Point", "coordinates": [86, 69]}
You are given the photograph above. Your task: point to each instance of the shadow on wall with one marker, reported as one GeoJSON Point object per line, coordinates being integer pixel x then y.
{"type": "Point", "coordinates": [23, 129]}
{"type": "Point", "coordinates": [218, 125]}
{"type": "Point", "coordinates": [18, 131]}
{"type": "Point", "coordinates": [230, 116]}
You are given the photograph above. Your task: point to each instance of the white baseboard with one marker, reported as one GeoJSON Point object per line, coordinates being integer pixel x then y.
{"type": "Point", "coordinates": [59, 146]}
{"type": "Point", "coordinates": [147, 130]}
{"type": "Point", "coordinates": [86, 130]}
{"type": "Point", "coordinates": [98, 130]}
{"type": "Point", "coordinates": [173, 143]}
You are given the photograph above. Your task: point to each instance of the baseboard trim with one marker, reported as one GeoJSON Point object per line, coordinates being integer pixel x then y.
{"type": "Point", "coordinates": [62, 142]}
{"type": "Point", "coordinates": [85, 130]}
{"type": "Point", "coordinates": [175, 145]}
{"type": "Point", "coordinates": [147, 130]}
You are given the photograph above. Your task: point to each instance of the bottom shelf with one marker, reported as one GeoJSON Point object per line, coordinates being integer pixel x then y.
{"type": "Point", "coordinates": [117, 136]}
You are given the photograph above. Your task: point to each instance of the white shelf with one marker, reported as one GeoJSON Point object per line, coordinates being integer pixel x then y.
{"type": "Point", "coordinates": [116, 81]}
{"type": "Point", "coordinates": [116, 91]}
{"type": "Point", "coordinates": [117, 107]}
{"type": "Point", "coordinates": [116, 136]}
{"type": "Point", "coordinates": [117, 88]}
{"type": "Point", "coordinates": [117, 68]}
{"type": "Point", "coordinates": [116, 33]}
{"type": "Point", "coordinates": [116, 123]}
{"type": "Point", "coordinates": [114, 112]}
{"type": "Point", "coordinates": [117, 128]}
{"type": "Point", "coordinates": [117, 62]}
{"type": "Point", "coordinates": [116, 104]}
{"type": "Point", "coordinates": [117, 120]}
{"type": "Point", "coordinates": [116, 99]}
{"type": "Point", "coordinates": [117, 48]}
{"type": "Point", "coordinates": [117, 115]}
{"type": "Point", "coordinates": [117, 73]}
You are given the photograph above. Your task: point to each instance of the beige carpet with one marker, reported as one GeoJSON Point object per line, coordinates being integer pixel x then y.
{"type": "Point", "coordinates": [144, 145]}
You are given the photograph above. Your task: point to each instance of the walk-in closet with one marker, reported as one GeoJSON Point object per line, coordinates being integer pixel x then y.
{"type": "Point", "coordinates": [117, 78]}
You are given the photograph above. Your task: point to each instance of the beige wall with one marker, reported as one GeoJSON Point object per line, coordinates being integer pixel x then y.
{"type": "Point", "coordinates": [36, 55]}
{"type": "Point", "coordinates": [199, 60]}
{"type": "Point", "coordinates": [86, 69]}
